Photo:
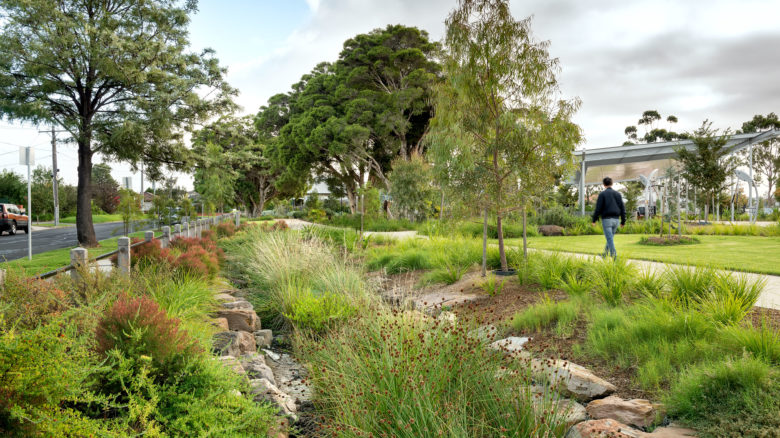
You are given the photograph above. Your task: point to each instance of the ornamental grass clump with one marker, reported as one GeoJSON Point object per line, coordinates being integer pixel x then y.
{"type": "Point", "coordinates": [613, 279]}
{"type": "Point", "coordinates": [408, 375]}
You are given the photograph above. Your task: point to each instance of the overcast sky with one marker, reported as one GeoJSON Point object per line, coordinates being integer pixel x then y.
{"type": "Point", "coordinates": [717, 60]}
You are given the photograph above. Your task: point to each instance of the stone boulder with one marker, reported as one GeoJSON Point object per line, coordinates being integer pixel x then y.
{"type": "Point", "coordinates": [264, 390]}
{"type": "Point", "coordinates": [238, 304]}
{"type": "Point", "coordinates": [256, 368]}
{"type": "Point", "coordinates": [233, 363]}
{"type": "Point", "coordinates": [246, 342]}
{"type": "Point", "coordinates": [221, 324]}
{"type": "Point", "coordinates": [511, 346]}
{"type": "Point", "coordinates": [224, 298]}
{"type": "Point", "coordinates": [572, 380]}
{"type": "Point", "coordinates": [225, 344]}
{"type": "Point", "coordinates": [636, 412]}
{"type": "Point", "coordinates": [485, 333]}
{"type": "Point", "coordinates": [240, 319]}
{"type": "Point", "coordinates": [571, 411]}
{"type": "Point", "coordinates": [605, 428]}
{"type": "Point", "coordinates": [550, 230]}
{"type": "Point", "coordinates": [263, 338]}
{"type": "Point", "coordinates": [672, 431]}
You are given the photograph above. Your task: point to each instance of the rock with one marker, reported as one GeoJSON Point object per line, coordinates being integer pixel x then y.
{"type": "Point", "coordinates": [572, 380]}
{"type": "Point", "coordinates": [233, 363]}
{"type": "Point", "coordinates": [672, 432]}
{"type": "Point", "coordinates": [485, 333]}
{"type": "Point", "coordinates": [226, 344]}
{"type": "Point", "coordinates": [550, 230]}
{"type": "Point", "coordinates": [280, 428]}
{"type": "Point", "coordinates": [447, 316]}
{"type": "Point", "coordinates": [274, 356]}
{"type": "Point", "coordinates": [605, 428]}
{"type": "Point", "coordinates": [225, 298]}
{"type": "Point", "coordinates": [240, 319]}
{"type": "Point", "coordinates": [221, 323]}
{"type": "Point", "coordinates": [262, 389]}
{"type": "Point", "coordinates": [636, 412]}
{"type": "Point", "coordinates": [571, 411]}
{"type": "Point", "coordinates": [263, 338]}
{"type": "Point", "coordinates": [511, 346]}
{"type": "Point", "coordinates": [239, 304]}
{"type": "Point", "coordinates": [246, 342]}
{"type": "Point", "coordinates": [256, 368]}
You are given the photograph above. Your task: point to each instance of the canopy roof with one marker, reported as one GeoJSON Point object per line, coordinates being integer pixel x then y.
{"type": "Point", "coordinates": [626, 163]}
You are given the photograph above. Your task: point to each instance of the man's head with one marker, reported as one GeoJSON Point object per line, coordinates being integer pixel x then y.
{"type": "Point", "coordinates": [607, 182]}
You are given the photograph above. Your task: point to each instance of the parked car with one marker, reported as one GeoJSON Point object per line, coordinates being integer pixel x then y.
{"type": "Point", "coordinates": [12, 219]}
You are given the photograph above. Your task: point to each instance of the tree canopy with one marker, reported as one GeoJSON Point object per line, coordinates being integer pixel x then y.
{"type": "Point", "coordinates": [116, 74]}
{"type": "Point", "coordinates": [344, 122]}
{"type": "Point", "coordinates": [766, 157]}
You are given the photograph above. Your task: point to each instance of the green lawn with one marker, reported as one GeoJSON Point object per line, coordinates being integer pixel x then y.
{"type": "Point", "coordinates": [739, 253]}
{"type": "Point", "coordinates": [96, 218]}
{"type": "Point", "coordinates": [51, 260]}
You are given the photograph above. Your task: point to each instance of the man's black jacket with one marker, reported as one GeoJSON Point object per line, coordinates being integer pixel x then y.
{"type": "Point", "coordinates": [610, 205]}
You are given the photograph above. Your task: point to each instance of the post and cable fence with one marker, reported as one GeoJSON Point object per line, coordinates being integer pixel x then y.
{"type": "Point", "coordinates": [79, 257]}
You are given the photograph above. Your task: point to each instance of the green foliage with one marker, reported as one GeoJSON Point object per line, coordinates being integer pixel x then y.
{"type": "Point", "coordinates": [689, 285]}
{"type": "Point", "coordinates": [732, 297]}
{"type": "Point", "coordinates": [613, 279]}
{"type": "Point", "coordinates": [320, 312]}
{"type": "Point", "coordinates": [13, 188]}
{"type": "Point", "coordinates": [492, 286]}
{"type": "Point", "coordinates": [129, 207]}
{"type": "Point", "coordinates": [370, 224]}
{"type": "Point", "coordinates": [394, 375]}
{"type": "Point", "coordinates": [738, 397]}
{"type": "Point", "coordinates": [105, 189]}
{"type": "Point", "coordinates": [548, 313]}
{"type": "Point", "coordinates": [285, 269]}
{"type": "Point", "coordinates": [762, 342]}
{"type": "Point", "coordinates": [411, 186]}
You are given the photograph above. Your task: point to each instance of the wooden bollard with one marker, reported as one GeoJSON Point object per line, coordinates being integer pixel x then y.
{"type": "Point", "coordinates": [78, 258]}
{"type": "Point", "coordinates": [123, 256]}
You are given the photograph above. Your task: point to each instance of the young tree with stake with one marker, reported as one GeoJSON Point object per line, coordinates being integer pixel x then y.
{"type": "Point", "coordinates": [502, 92]}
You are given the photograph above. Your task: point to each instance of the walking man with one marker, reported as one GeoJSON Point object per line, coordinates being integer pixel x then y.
{"type": "Point", "coordinates": [612, 212]}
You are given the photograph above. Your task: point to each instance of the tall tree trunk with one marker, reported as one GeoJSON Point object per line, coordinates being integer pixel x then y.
{"type": "Point", "coordinates": [501, 252]}
{"type": "Point", "coordinates": [484, 243]}
{"type": "Point", "coordinates": [525, 236]}
{"type": "Point", "coordinates": [351, 199]}
{"type": "Point", "coordinates": [85, 230]}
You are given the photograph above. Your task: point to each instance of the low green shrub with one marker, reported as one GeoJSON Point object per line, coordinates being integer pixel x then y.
{"type": "Point", "coordinates": [28, 302]}
{"type": "Point", "coordinates": [547, 313]}
{"type": "Point", "coordinates": [762, 342]}
{"type": "Point", "coordinates": [649, 283]}
{"type": "Point", "coordinates": [447, 275]}
{"type": "Point", "coordinates": [399, 375]}
{"type": "Point", "coordinates": [492, 286]}
{"type": "Point", "coordinates": [613, 279]}
{"type": "Point", "coordinates": [733, 397]}
{"type": "Point", "coordinates": [320, 312]}
{"type": "Point", "coordinates": [688, 285]}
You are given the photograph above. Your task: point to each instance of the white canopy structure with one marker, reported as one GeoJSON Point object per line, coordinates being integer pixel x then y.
{"type": "Point", "coordinates": [627, 163]}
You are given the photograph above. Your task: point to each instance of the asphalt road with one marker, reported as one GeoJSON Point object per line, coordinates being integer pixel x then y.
{"type": "Point", "coordinates": [15, 247]}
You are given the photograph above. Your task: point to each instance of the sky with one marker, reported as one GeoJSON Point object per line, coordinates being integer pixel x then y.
{"type": "Point", "coordinates": [713, 59]}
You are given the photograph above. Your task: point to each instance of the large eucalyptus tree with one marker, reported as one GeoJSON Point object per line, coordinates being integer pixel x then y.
{"type": "Point", "coordinates": [116, 74]}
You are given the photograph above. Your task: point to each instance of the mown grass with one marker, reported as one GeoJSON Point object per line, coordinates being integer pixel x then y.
{"type": "Point", "coordinates": [96, 218]}
{"type": "Point", "coordinates": [738, 253]}
{"type": "Point", "coordinates": [50, 260]}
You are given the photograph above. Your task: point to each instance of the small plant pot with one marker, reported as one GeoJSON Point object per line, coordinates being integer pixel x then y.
{"type": "Point", "coordinates": [508, 273]}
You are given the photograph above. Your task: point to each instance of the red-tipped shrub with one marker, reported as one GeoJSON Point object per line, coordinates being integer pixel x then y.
{"type": "Point", "coordinates": [149, 252]}
{"type": "Point", "coordinates": [185, 244]}
{"type": "Point", "coordinates": [138, 326]}
{"type": "Point", "coordinates": [207, 234]}
{"type": "Point", "coordinates": [197, 261]}
{"type": "Point", "coordinates": [276, 226]}
{"type": "Point", "coordinates": [226, 229]}
{"type": "Point", "coordinates": [32, 301]}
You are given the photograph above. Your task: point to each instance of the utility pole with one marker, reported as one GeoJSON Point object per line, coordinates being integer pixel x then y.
{"type": "Point", "coordinates": [54, 171]}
